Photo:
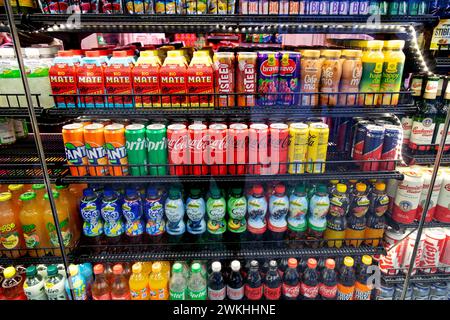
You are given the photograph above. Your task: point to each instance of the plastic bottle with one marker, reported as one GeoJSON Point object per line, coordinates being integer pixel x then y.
{"type": "Point", "coordinates": [328, 281]}
{"type": "Point", "coordinates": [216, 208]}
{"type": "Point", "coordinates": [291, 281]}
{"type": "Point", "coordinates": [309, 288]}
{"type": "Point", "coordinates": [356, 223]}
{"type": "Point", "coordinates": [118, 80]}
{"type": "Point", "coordinates": [120, 290]}
{"type": "Point", "coordinates": [319, 206]}
{"type": "Point", "coordinates": [79, 284]}
{"type": "Point", "coordinates": [90, 80]}
{"type": "Point", "coordinates": [216, 283]}
{"type": "Point", "coordinates": [257, 211]}
{"type": "Point", "coordinates": [101, 289]}
{"type": "Point", "coordinates": [254, 283]}
{"type": "Point", "coordinates": [165, 268]}
{"type": "Point", "coordinates": [235, 285]}
{"type": "Point", "coordinates": [372, 62]}
{"type": "Point", "coordinates": [138, 282]}
{"type": "Point", "coordinates": [111, 211]}
{"type": "Point", "coordinates": [346, 280]}
{"type": "Point", "coordinates": [158, 283]}
{"type": "Point", "coordinates": [54, 284]}
{"type": "Point", "coordinates": [90, 213]}
{"type": "Point", "coordinates": [146, 267]}
{"type": "Point", "coordinates": [375, 222]}
{"type": "Point", "coordinates": [278, 210]}
{"type": "Point", "coordinates": [336, 218]}
{"type": "Point", "coordinates": [196, 284]}
{"type": "Point", "coordinates": [12, 285]}
{"type": "Point", "coordinates": [237, 209]}
{"type": "Point", "coordinates": [391, 79]}
{"type": "Point", "coordinates": [273, 282]}
{"type": "Point", "coordinates": [174, 210]}
{"type": "Point", "coordinates": [178, 283]}
{"type": "Point", "coordinates": [37, 69]}
{"type": "Point", "coordinates": [34, 285]}
{"type": "Point", "coordinates": [132, 210]}
{"type": "Point", "coordinates": [16, 191]}
{"type": "Point", "coordinates": [68, 201]}
{"type": "Point", "coordinates": [195, 211]}
{"type": "Point", "coordinates": [87, 272]}
{"type": "Point", "coordinates": [154, 212]}
{"type": "Point", "coordinates": [296, 221]}
{"type": "Point", "coordinates": [11, 236]}
{"type": "Point", "coordinates": [363, 289]}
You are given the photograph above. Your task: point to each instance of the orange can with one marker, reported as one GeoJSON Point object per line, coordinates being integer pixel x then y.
{"type": "Point", "coordinates": [75, 148]}
{"type": "Point", "coordinates": [116, 149]}
{"type": "Point", "coordinates": [95, 141]}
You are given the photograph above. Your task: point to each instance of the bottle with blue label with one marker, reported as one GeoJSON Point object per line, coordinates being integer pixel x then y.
{"type": "Point", "coordinates": [174, 210]}
{"type": "Point", "coordinates": [90, 213]}
{"type": "Point", "coordinates": [257, 211]}
{"type": "Point", "coordinates": [319, 205]}
{"type": "Point", "coordinates": [78, 283]}
{"type": "Point", "coordinates": [296, 221]}
{"type": "Point", "coordinates": [195, 210]}
{"type": "Point", "coordinates": [154, 212]}
{"type": "Point", "coordinates": [278, 210]}
{"type": "Point", "coordinates": [216, 207]}
{"type": "Point", "coordinates": [112, 215]}
{"type": "Point", "coordinates": [87, 272]}
{"type": "Point", "coordinates": [132, 211]}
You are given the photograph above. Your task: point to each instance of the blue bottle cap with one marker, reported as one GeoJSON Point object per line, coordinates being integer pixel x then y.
{"type": "Point", "coordinates": [88, 192]}
{"type": "Point", "coordinates": [130, 192]}
{"type": "Point", "coordinates": [152, 192]}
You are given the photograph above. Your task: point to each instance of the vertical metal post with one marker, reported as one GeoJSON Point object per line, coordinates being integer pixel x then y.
{"type": "Point", "coordinates": [437, 162]}
{"type": "Point", "coordinates": [34, 125]}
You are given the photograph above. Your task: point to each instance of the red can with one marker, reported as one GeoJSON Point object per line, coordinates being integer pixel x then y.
{"type": "Point", "coordinates": [237, 145]}
{"type": "Point", "coordinates": [177, 141]}
{"type": "Point", "coordinates": [391, 262]}
{"type": "Point", "coordinates": [198, 142]}
{"type": "Point", "coordinates": [279, 140]}
{"type": "Point", "coordinates": [258, 157]}
{"type": "Point", "coordinates": [409, 247]}
{"type": "Point", "coordinates": [217, 148]}
{"type": "Point", "coordinates": [434, 242]}
{"type": "Point", "coordinates": [444, 259]}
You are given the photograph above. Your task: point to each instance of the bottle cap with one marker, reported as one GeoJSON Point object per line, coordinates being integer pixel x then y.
{"type": "Point", "coordinates": [156, 267]}
{"type": "Point", "coordinates": [174, 193]}
{"type": "Point", "coordinates": [280, 189]}
{"type": "Point", "coordinates": [330, 264]}
{"type": "Point", "coordinates": [108, 193]}
{"type": "Point", "coordinates": [352, 53]}
{"type": "Point", "coordinates": [215, 192]}
{"type": "Point", "coordinates": [5, 196]}
{"type": "Point", "coordinates": [196, 268]}
{"type": "Point", "coordinates": [9, 272]}
{"type": "Point", "coordinates": [99, 269]}
{"type": "Point", "coordinates": [27, 196]}
{"type": "Point", "coordinates": [177, 268]}
{"type": "Point", "coordinates": [334, 181]}
{"type": "Point", "coordinates": [300, 188]}
{"type": "Point", "coordinates": [152, 192]}
{"type": "Point", "coordinates": [195, 192]}
{"type": "Point", "coordinates": [321, 188]}
{"type": "Point", "coordinates": [15, 187]}
{"type": "Point", "coordinates": [311, 53]}
{"type": "Point", "coordinates": [349, 262]}
{"type": "Point", "coordinates": [73, 270]}
{"type": "Point", "coordinates": [55, 195]}
{"type": "Point", "coordinates": [65, 53]}
{"type": "Point", "coordinates": [380, 186]}
{"type": "Point", "coordinates": [76, 52]}
{"type": "Point", "coordinates": [258, 189]}
{"type": "Point", "coordinates": [117, 269]}
{"type": "Point", "coordinates": [52, 270]}
{"type": "Point", "coordinates": [38, 186]}
{"type": "Point", "coordinates": [292, 263]}
{"type": "Point", "coordinates": [341, 188]}
{"type": "Point", "coordinates": [236, 191]}
{"type": "Point", "coordinates": [120, 54]}
{"type": "Point", "coordinates": [361, 187]}
{"type": "Point", "coordinates": [88, 192]}
{"type": "Point", "coordinates": [92, 54]}
{"type": "Point", "coordinates": [136, 268]}
{"type": "Point", "coordinates": [31, 271]}
{"type": "Point", "coordinates": [62, 186]}
{"type": "Point", "coordinates": [235, 265]}
{"type": "Point", "coordinates": [367, 260]}
{"type": "Point", "coordinates": [216, 266]}
{"type": "Point", "coordinates": [273, 264]}
{"type": "Point", "coordinates": [254, 264]}
{"type": "Point", "coordinates": [312, 263]}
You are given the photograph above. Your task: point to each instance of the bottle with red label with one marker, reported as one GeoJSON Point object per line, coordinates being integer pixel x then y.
{"type": "Point", "coordinates": [363, 287]}
{"type": "Point", "coordinates": [346, 280]}
{"type": "Point", "coordinates": [120, 289]}
{"type": "Point", "coordinates": [328, 281]}
{"type": "Point", "coordinates": [118, 80]}
{"type": "Point", "coordinates": [235, 286]}
{"type": "Point", "coordinates": [91, 80]}
{"type": "Point", "coordinates": [291, 281]}
{"type": "Point", "coordinates": [63, 78]}
{"type": "Point", "coordinates": [273, 282]}
{"type": "Point", "coordinates": [253, 284]}
{"type": "Point", "coordinates": [309, 288]}
{"type": "Point", "coordinates": [216, 284]}
{"type": "Point", "coordinates": [100, 288]}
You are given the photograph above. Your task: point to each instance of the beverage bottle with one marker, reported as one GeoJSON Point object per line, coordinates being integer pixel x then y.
{"type": "Point", "coordinates": [12, 285]}
{"type": "Point", "coordinates": [39, 189]}
{"type": "Point", "coordinates": [273, 282]}
{"type": "Point", "coordinates": [154, 212]}
{"type": "Point", "coordinates": [346, 280]}
{"type": "Point", "coordinates": [132, 211]}
{"type": "Point", "coordinates": [282, 266]}
{"type": "Point", "coordinates": [235, 285]}
{"type": "Point", "coordinates": [11, 236]}
{"type": "Point", "coordinates": [336, 218]}
{"type": "Point", "coordinates": [216, 208]}
{"type": "Point", "coordinates": [165, 268]}
{"type": "Point", "coordinates": [278, 210]}
{"type": "Point", "coordinates": [34, 285]}
{"type": "Point", "coordinates": [120, 290]}
{"type": "Point", "coordinates": [146, 267]}
{"type": "Point", "coordinates": [69, 202]}
{"type": "Point", "coordinates": [440, 121]}
{"type": "Point", "coordinates": [64, 223]}
{"type": "Point", "coordinates": [257, 211]}
{"type": "Point", "coordinates": [372, 68]}
{"type": "Point", "coordinates": [363, 289]}
{"type": "Point", "coordinates": [90, 213]}
{"type": "Point", "coordinates": [126, 270]}
{"type": "Point", "coordinates": [178, 283]}
{"type": "Point", "coordinates": [319, 206]}
{"type": "Point", "coordinates": [216, 283]}
{"type": "Point", "coordinates": [174, 210]}
{"type": "Point", "coordinates": [138, 282]}
{"type": "Point", "coordinates": [332, 186]}
{"type": "Point", "coordinates": [16, 191]}
{"type": "Point", "coordinates": [79, 284]}
{"type": "Point", "coordinates": [196, 284]}
{"type": "Point", "coordinates": [195, 211]}
{"type": "Point", "coordinates": [375, 222]}
{"type": "Point", "coordinates": [237, 209]}
{"type": "Point", "coordinates": [392, 71]}
{"type": "Point", "coordinates": [111, 212]}
{"type": "Point", "coordinates": [328, 281]}
{"type": "Point", "coordinates": [101, 289]}
{"type": "Point", "coordinates": [87, 272]}
{"type": "Point", "coordinates": [296, 221]}
{"type": "Point", "coordinates": [291, 281]}
{"type": "Point", "coordinates": [309, 288]}
{"type": "Point", "coordinates": [54, 284]}
{"type": "Point", "coordinates": [158, 283]}
{"type": "Point", "coordinates": [33, 225]}
{"type": "Point", "coordinates": [254, 284]}
{"type": "Point", "coordinates": [356, 223]}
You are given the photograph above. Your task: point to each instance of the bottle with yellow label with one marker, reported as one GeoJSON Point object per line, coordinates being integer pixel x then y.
{"type": "Point", "coordinates": [372, 62]}
{"type": "Point", "coordinates": [391, 79]}
{"type": "Point", "coordinates": [11, 237]}
{"type": "Point", "coordinates": [158, 283]}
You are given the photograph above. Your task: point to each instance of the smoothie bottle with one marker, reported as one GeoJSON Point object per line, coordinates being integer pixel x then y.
{"type": "Point", "coordinates": [391, 79]}
{"type": "Point", "coordinates": [351, 76]}
{"type": "Point", "coordinates": [154, 212]}
{"type": "Point", "coordinates": [63, 79]}
{"type": "Point", "coordinates": [216, 207]}
{"type": "Point", "coordinates": [195, 210]}
{"type": "Point", "coordinates": [257, 211]}
{"type": "Point", "coordinates": [200, 80]}
{"type": "Point", "coordinates": [145, 76]}
{"type": "Point", "coordinates": [173, 75]}
{"type": "Point", "coordinates": [91, 80]}
{"type": "Point", "coordinates": [330, 77]}
{"type": "Point", "coordinates": [118, 80]}
{"type": "Point", "coordinates": [298, 208]}
{"type": "Point", "coordinates": [372, 61]}
{"type": "Point", "coordinates": [237, 209]}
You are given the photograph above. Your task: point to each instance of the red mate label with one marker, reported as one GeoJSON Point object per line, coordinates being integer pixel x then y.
{"type": "Point", "coordinates": [200, 80]}
{"type": "Point", "coordinates": [63, 80]}
{"type": "Point", "coordinates": [146, 81]}
{"type": "Point", "coordinates": [173, 81]}
{"type": "Point", "coordinates": [118, 81]}
{"type": "Point", "coordinates": [91, 81]}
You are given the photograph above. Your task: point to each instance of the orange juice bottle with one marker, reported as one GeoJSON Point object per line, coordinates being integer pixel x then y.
{"type": "Point", "coordinates": [146, 267]}
{"type": "Point", "coordinates": [165, 267]}
{"type": "Point", "coordinates": [173, 79]}
{"type": "Point", "coordinates": [139, 289]}
{"type": "Point", "coordinates": [64, 222]}
{"type": "Point", "coordinates": [39, 189]}
{"type": "Point", "coordinates": [200, 80]}
{"type": "Point", "coordinates": [158, 283]}
{"type": "Point", "coordinates": [69, 202]}
{"type": "Point", "coordinates": [16, 191]}
{"type": "Point", "coordinates": [33, 226]}
{"type": "Point", "coordinates": [10, 229]}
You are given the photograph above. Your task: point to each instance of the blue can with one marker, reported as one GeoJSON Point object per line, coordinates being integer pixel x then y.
{"type": "Point", "coordinates": [373, 146]}
{"type": "Point", "coordinates": [358, 139]}
{"type": "Point", "coordinates": [385, 292]}
{"type": "Point", "coordinates": [343, 133]}
{"type": "Point", "coordinates": [391, 142]}
{"type": "Point", "coordinates": [438, 291]}
{"type": "Point", "coordinates": [132, 211]}
{"type": "Point", "coordinates": [421, 291]}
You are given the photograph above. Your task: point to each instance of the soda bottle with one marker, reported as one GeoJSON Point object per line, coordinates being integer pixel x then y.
{"type": "Point", "coordinates": [216, 284]}
{"type": "Point", "coordinates": [237, 209]}
{"type": "Point", "coordinates": [154, 212]}
{"type": "Point", "coordinates": [328, 281]}
{"type": "Point", "coordinates": [101, 289]}
{"type": "Point", "coordinates": [165, 268]}
{"type": "Point", "coordinates": [319, 206]}
{"type": "Point", "coordinates": [139, 283]}
{"type": "Point", "coordinates": [291, 281]}
{"type": "Point", "coordinates": [273, 282]}
{"type": "Point", "coordinates": [296, 221]}
{"type": "Point", "coordinates": [235, 286]}
{"type": "Point", "coordinates": [78, 283]}
{"type": "Point", "coordinates": [158, 283]}
{"type": "Point", "coordinates": [68, 201]}
{"type": "Point", "coordinates": [216, 208]}
{"type": "Point", "coordinates": [34, 285]}
{"type": "Point", "coordinates": [178, 283]}
{"type": "Point", "coordinates": [111, 211]}
{"type": "Point", "coordinates": [346, 280]}
{"type": "Point", "coordinates": [375, 218]}
{"type": "Point", "coordinates": [278, 210]}
{"type": "Point", "coordinates": [362, 288]}
{"type": "Point", "coordinates": [336, 218]}
{"type": "Point", "coordinates": [146, 267]}
{"type": "Point", "coordinates": [332, 186]}
{"type": "Point", "coordinates": [309, 288]}
{"type": "Point", "coordinates": [132, 211]}
{"type": "Point", "coordinates": [87, 272]}
{"type": "Point", "coordinates": [16, 191]}
{"type": "Point", "coordinates": [253, 285]}
{"type": "Point", "coordinates": [90, 213]}
{"type": "Point", "coordinates": [196, 283]}
{"type": "Point", "coordinates": [12, 285]}
{"type": "Point", "coordinates": [120, 290]}
{"type": "Point", "coordinates": [109, 273]}
{"type": "Point", "coordinates": [126, 270]}
{"type": "Point", "coordinates": [54, 284]}
{"type": "Point", "coordinates": [195, 210]}
{"type": "Point", "coordinates": [11, 236]}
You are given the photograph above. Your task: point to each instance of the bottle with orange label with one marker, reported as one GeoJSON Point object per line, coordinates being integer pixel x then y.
{"type": "Point", "coordinates": [173, 79]}
{"type": "Point", "coordinates": [75, 148]}
{"type": "Point", "coordinates": [94, 140]}
{"type": "Point", "coordinates": [145, 76]}
{"type": "Point", "coordinates": [158, 283]}
{"type": "Point", "coordinates": [11, 237]}
{"type": "Point", "coordinates": [363, 288]}
{"type": "Point", "coordinates": [346, 280]}
{"type": "Point", "coordinates": [116, 150]}
{"type": "Point", "coordinates": [200, 80]}
{"type": "Point", "coordinates": [91, 80]}
{"type": "Point", "coordinates": [118, 80]}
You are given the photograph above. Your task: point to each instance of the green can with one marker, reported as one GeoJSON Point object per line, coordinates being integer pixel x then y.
{"type": "Point", "coordinates": [136, 145]}
{"type": "Point", "coordinates": [157, 148]}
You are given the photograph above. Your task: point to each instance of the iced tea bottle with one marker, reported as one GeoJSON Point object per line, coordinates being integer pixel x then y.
{"type": "Point", "coordinates": [16, 191]}
{"type": "Point", "coordinates": [10, 229]}
{"type": "Point", "coordinates": [12, 285]}
{"type": "Point", "coordinates": [39, 189]}
{"type": "Point", "coordinates": [68, 201]}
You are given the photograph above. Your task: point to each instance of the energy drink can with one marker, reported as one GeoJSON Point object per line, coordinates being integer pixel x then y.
{"type": "Point", "coordinates": [373, 144]}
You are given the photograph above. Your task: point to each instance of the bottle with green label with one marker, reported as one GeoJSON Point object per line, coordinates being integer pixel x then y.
{"type": "Point", "coordinates": [196, 283]}
{"type": "Point", "coordinates": [237, 209]}
{"type": "Point", "coordinates": [177, 285]}
{"type": "Point", "coordinates": [216, 207]}
{"type": "Point", "coordinates": [391, 79]}
{"type": "Point", "coordinates": [372, 61]}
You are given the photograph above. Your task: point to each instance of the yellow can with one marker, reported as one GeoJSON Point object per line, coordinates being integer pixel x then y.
{"type": "Point", "coordinates": [317, 147]}
{"type": "Point", "coordinates": [298, 147]}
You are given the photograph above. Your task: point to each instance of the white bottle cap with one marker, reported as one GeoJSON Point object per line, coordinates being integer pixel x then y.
{"type": "Point", "coordinates": [216, 266]}
{"type": "Point", "coordinates": [235, 265]}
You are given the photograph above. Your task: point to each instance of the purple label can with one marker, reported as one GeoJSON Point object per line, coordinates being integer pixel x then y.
{"type": "Point", "coordinates": [364, 7]}
{"type": "Point", "coordinates": [314, 7]}
{"type": "Point", "coordinates": [268, 71]}
{"type": "Point", "coordinates": [288, 80]}
{"type": "Point", "coordinates": [324, 7]}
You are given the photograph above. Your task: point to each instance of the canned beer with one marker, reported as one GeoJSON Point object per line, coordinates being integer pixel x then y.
{"type": "Point", "coordinates": [408, 197]}
{"type": "Point", "coordinates": [442, 213]}
{"type": "Point", "coordinates": [407, 254]}
{"type": "Point", "coordinates": [434, 242]}
{"type": "Point", "coordinates": [156, 135]}
{"type": "Point", "coordinates": [298, 146]}
{"type": "Point", "coordinates": [427, 172]}
{"type": "Point", "coordinates": [391, 262]}
{"type": "Point", "coordinates": [116, 150]}
{"type": "Point", "coordinates": [136, 149]}
{"type": "Point", "coordinates": [75, 149]}
{"type": "Point", "coordinates": [317, 147]}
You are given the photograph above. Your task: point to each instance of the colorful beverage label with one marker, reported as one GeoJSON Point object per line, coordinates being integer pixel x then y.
{"type": "Point", "coordinates": [278, 209]}
{"type": "Point", "coordinates": [237, 208]}
{"type": "Point", "coordinates": [268, 71]}
{"type": "Point", "coordinates": [31, 236]}
{"type": "Point", "coordinates": [288, 81]}
{"type": "Point", "coordinates": [174, 210]}
{"type": "Point", "coordinates": [91, 81]}
{"type": "Point", "coordinates": [159, 294]}
{"type": "Point", "coordinates": [370, 82]}
{"type": "Point", "coordinates": [173, 83]}
{"type": "Point", "coordinates": [197, 294]}
{"type": "Point", "coordinates": [224, 74]}
{"type": "Point", "coordinates": [111, 215]}
{"type": "Point", "coordinates": [246, 78]}
{"type": "Point", "coordinates": [65, 232]}
{"type": "Point", "coordinates": [391, 81]}
{"type": "Point", "coordinates": [132, 212]}
{"type": "Point", "coordinates": [298, 208]}
{"type": "Point", "coordinates": [118, 80]}
{"type": "Point", "coordinates": [216, 210]}
{"type": "Point", "coordinates": [63, 80]}
{"type": "Point", "coordinates": [141, 294]}
{"type": "Point", "coordinates": [9, 236]}
{"type": "Point", "coordinates": [92, 225]}
{"type": "Point", "coordinates": [154, 211]}
{"type": "Point", "coordinates": [200, 83]}
{"type": "Point", "coordinates": [146, 82]}
{"type": "Point", "coordinates": [195, 210]}
{"type": "Point", "coordinates": [257, 210]}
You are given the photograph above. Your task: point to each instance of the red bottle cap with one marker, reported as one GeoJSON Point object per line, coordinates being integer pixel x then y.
{"type": "Point", "coordinates": [98, 269]}
{"type": "Point", "coordinates": [312, 263]}
{"type": "Point", "coordinates": [120, 54]}
{"type": "Point", "coordinates": [292, 263]}
{"type": "Point", "coordinates": [279, 189]}
{"type": "Point", "coordinates": [258, 189]}
{"type": "Point", "coordinates": [330, 264]}
{"type": "Point", "coordinates": [118, 269]}
{"type": "Point", "coordinates": [92, 54]}
{"type": "Point", "coordinates": [67, 53]}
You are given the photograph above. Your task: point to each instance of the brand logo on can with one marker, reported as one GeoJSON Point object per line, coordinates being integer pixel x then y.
{"type": "Point", "coordinates": [269, 69]}
{"type": "Point", "coordinates": [249, 78]}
